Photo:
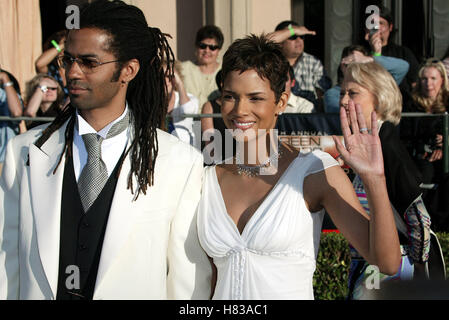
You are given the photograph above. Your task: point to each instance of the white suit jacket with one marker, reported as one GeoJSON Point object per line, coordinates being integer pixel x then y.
{"type": "Point", "coordinates": [150, 249]}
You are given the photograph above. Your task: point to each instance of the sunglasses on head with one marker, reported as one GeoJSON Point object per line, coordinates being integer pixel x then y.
{"type": "Point", "coordinates": [210, 46]}
{"type": "Point", "coordinates": [295, 37]}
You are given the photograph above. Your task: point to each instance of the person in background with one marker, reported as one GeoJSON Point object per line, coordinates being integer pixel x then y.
{"type": "Point", "coordinates": [311, 79]}
{"type": "Point", "coordinates": [208, 125]}
{"type": "Point", "coordinates": [356, 53]}
{"type": "Point", "coordinates": [296, 104]}
{"type": "Point", "coordinates": [44, 98]}
{"type": "Point", "coordinates": [424, 137]}
{"type": "Point", "coordinates": [199, 76]}
{"type": "Point", "coordinates": [10, 106]}
{"type": "Point", "coordinates": [431, 95]}
{"type": "Point", "coordinates": [180, 102]}
{"type": "Point", "coordinates": [374, 89]}
{"type": "Point", "coordinates": [390, 49]}
{"type": "Point", "coordinates": [47, 61]}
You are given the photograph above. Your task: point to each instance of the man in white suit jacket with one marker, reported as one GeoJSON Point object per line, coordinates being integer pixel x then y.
{"type": "Point", "coordinates": [147, 246]}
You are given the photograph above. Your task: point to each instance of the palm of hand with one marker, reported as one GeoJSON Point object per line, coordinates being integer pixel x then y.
{"type": "Point", "coordinates": [362, 149]}
{"type": "Point", "coordinates": [364, 153]}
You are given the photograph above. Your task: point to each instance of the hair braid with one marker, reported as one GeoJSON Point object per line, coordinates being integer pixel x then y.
{"type": "Point", "coordinates": [67, 114]}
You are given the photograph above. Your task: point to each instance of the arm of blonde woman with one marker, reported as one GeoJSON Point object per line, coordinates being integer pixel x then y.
{"type": "Point", "coordinates": [375, 236]}
{"type": "Point", "coordinates": [34, 103]}
{"type": "Point", "coordinates": [207, 123]}
{"type": "Point", "coordinates": [179, 86]}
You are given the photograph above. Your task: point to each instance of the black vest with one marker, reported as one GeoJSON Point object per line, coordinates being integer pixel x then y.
{"type": "Point", "coordinates": [82, 235]}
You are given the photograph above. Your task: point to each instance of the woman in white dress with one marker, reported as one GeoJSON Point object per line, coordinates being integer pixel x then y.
{"type": "Point", "coordinates": [260, 215]}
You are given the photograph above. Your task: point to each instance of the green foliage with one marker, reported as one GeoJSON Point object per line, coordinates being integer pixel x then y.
{"type": "Point", "coordinates": [443, 237]}
{"type": "Point", "coordinates": [331, 274]}
{"type": "Point", "coordinates": [330, 281]}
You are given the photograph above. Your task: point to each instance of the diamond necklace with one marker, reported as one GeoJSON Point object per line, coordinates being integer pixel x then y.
{"type": "Point", "coordinates": [254, 171]}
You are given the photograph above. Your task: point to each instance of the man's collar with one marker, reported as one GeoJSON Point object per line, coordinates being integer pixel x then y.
{"type": "Point", "coordinates": [300, 58]}
{"type": "Point", "coordinates": [83, 127]}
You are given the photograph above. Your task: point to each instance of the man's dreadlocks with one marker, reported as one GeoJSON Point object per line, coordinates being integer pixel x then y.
{"type": "Point", "coordinates": [130, 38]}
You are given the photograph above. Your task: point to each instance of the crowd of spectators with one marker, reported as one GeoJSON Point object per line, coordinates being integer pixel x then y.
{"type": "Point", "coordinates": [195, 88]}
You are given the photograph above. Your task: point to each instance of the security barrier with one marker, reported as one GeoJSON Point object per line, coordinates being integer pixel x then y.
{"type": "Point", "coordinates": [197, 117]}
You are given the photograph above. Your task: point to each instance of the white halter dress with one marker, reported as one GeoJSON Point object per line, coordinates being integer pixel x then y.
{"type": "Point", "coordinates": [274, 257]}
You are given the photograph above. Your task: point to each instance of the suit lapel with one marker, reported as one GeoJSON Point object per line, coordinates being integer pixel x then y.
{"type": "Point", "coordinates": [46, 193]}
{"type": "Point", "coordinates": [121, 218]}
{"type": "Point", "coordinates": [123, 213]}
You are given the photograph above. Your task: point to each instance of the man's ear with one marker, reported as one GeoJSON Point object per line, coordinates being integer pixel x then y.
{"type": "Point", "coordinates": [391, 27]}
{"type": "Point", "coordinates": [130, 70]}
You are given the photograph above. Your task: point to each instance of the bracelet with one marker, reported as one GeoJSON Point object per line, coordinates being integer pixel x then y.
{"type": "Point", "coordinates": [292, 31]}
{"type": "Point", "coordinates": [8, 84]}
{"type": "Point", "coordinates": [376, 54]}
{"type": "Point", "coordinates": [56, 45]}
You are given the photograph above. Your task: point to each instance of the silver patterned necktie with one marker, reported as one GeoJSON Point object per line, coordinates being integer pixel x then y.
{"type": "Point", "coordinates": [94, 174]}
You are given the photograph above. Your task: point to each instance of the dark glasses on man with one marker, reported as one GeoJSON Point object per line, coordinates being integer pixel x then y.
{"type": "Point", "coordinates": [87, 65]}
{"type": "Point", "coordinates": [295, 37]}
{"type": "Point", "coordinates": [210, 46]}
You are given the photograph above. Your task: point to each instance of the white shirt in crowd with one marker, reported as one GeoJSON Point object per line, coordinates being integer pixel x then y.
{"type": "Point", "coordinates": [298, 104]}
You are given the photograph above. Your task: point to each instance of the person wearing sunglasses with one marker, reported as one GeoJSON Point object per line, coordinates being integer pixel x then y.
{"type": "Point", "coordinates": [199, 76]}
{"type": "Point", "coordinates": [44, 98]}
{"type": "Point", "coordinates": [311, 79]}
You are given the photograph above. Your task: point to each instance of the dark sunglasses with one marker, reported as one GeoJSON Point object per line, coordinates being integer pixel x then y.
{"type": "Point", "coordinates": [210, 46]}
{"type": "Point", "coordinates": [296, 37]}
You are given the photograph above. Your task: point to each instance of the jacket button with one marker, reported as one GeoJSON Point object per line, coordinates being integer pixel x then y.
{"type": "Point", "coordinates": [83, 247]}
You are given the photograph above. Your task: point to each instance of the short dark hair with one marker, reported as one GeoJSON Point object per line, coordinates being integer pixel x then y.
{"type": "Point", "coordinates": [386, 14]}
{"type": "Point", "coordinates": [284, 24]}
{"type": "Point", "coordinates": [353, 47]}
{"type": "Point", "coordinates": [209, 31]}
{"type": "Point", "coordinates": [57, 36]}
{"type": "Point", "coordinates": [346, 52]}
{"type": "Point", "coordinates": [260, 54]}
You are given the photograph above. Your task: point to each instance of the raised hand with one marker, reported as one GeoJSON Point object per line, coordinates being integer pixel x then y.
{"type": "Point", "coordinates": [301, 31]}
{"type": "Point", "coordinates": [357, 57]}
{"type": "Point", "coordinates": [362, 150]}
